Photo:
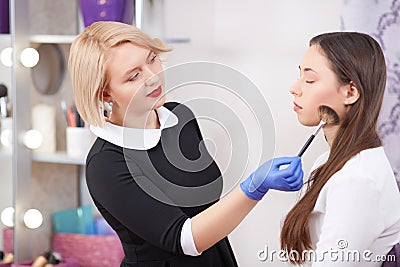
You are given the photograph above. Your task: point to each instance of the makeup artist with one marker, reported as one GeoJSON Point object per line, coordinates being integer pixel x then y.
{"type": "Point", "coordinates": [149, 172]}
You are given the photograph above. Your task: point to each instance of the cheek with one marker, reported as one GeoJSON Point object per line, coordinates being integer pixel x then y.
{"type": "Point", "coordinates": [309, 115]}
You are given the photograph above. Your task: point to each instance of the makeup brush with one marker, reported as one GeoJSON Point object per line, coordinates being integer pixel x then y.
{"type": "Point", "coordinates": [327, 116]}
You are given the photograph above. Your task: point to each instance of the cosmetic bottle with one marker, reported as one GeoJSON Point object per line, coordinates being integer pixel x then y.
{"type": "Point", "coordinates": [3, 101]}
{"type": "Point", "coordinates": [54, 259]}
{"type": "Point", "coordinates": [42, 260]}
{"type": "Point", "coordinates": [8, 258]}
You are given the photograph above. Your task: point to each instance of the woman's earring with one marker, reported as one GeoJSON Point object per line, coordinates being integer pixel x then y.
{"type": "Point", "coordinates": [346, 102]}
{"type": "Point", "coordinates": [108, 106]}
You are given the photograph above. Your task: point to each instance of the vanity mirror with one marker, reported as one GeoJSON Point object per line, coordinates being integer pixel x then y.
{"type": "Point", "coordinates": [48, 74]}
{"type": "Point", "coordinates": [6, 182]}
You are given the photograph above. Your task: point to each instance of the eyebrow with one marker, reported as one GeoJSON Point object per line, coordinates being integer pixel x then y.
{"type": "Point", "coordinates": [307, 69]}
{"type": "Point", "coordinates": [128, 72]}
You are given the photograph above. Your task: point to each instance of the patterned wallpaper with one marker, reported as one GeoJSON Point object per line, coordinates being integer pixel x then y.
{"type": "Point", "coordinates": [381, 19]}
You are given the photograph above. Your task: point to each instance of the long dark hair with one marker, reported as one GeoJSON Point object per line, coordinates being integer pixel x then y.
{"type": "Point", "coordinates": [357, 58]}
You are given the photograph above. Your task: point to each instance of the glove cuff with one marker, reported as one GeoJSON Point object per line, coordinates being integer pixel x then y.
{"type": "Point", "coordinates": [255, 195]}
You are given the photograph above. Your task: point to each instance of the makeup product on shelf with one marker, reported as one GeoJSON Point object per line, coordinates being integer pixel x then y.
{"type": "Point", "coordinates": [8, 258]}
{"type": "Point", "coordinates": [327, 116]}
{"type": "Point", "coordinates": [42, 260]}
{"type": "Point", "coordinates": [54, 259]}
{"type": "Point", "coordinates": [3, 101]}
{"type": "Point", "coordinates": [44, 120]}
{"type": "Point", "coordinates": [1, 255]}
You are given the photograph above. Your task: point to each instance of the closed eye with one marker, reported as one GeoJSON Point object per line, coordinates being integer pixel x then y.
{"type": "Point", "coordinates": [134, 77]}
{"type": "Point", "coordinates": [153, 59]}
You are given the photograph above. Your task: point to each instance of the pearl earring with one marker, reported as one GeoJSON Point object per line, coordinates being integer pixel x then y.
{"type": "Point", "coordinates": [108, 106]}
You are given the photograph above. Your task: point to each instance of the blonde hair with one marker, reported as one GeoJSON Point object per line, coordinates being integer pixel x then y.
{"type": "Point", "coordinates": [87, 63]}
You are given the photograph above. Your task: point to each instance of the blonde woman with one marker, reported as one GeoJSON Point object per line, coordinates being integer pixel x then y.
{"type": "Point", "coordinates": [148, 172]}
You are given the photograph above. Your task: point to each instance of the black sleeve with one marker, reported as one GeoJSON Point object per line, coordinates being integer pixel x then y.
{"type": "Point", "coordinates": [111, 184]}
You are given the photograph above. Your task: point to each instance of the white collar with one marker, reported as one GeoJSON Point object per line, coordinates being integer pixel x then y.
{"type": "Point", "coordinates": [135, 138]}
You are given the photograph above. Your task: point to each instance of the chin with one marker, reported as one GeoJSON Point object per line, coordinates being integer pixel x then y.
{"type": "Point", "coordinates": [308, 122]}
{"type": "Point", "coordinates": [159, 103]}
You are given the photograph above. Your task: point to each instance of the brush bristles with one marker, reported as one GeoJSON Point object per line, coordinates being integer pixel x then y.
{"type": "Point", "coordinates": [328, 115]}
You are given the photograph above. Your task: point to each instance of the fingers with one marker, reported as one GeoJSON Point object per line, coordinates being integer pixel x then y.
{"type": "Point", "coordinates": [297, 182]}
{"type": "Point", "coordinates": [277, 162]}
{"type": "Point", "coordinates": [292, 176]}
{"type": "Point", "coordinates": [291, 169]}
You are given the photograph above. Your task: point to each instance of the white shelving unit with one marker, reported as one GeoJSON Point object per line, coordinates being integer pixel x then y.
{"type": "Point", "coordinates": [52, 39]}
{"type": "Point", "coordinates": [60, 157]}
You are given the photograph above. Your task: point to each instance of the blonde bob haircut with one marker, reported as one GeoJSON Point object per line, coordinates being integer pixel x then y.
{"type": "Point", "coordinates": [87, 63]}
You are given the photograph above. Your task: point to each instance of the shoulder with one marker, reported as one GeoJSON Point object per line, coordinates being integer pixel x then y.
{"type": "Point", "coordinates": [369, 170]}
{"type": "Point", "coordinates": [108, 160]}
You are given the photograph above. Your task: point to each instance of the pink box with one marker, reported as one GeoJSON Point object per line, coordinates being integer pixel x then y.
{"type": "Point", "coordinates": [64, 263]}
{"type": "Point", "coordinates": [5, 264]}
{"type": "Point", "coordinates": [8, 240]}
{"type": "Point", "coordinates": [89, 250]}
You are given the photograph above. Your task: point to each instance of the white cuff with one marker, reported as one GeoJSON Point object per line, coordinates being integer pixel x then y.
{"type": "Point", "coordinates": [187, 241]}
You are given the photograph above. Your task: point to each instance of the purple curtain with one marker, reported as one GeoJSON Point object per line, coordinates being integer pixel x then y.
{"type": "Point", "coordinates": [107, 10]}
{"type": "Point", "coordinates": [381, 19]}
{"type": "Point", "coordinates": [4, 16]}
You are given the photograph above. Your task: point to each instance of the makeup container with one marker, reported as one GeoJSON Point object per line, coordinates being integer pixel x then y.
{"type": "Point", "coordinates": [42, 260]}
{"type": "Point", "coordinates": [43, 119]}
{"type": "Point", "coordinates": [3, 101]}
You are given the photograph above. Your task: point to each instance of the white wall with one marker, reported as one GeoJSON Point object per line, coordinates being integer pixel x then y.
{"type": "Point", "coordinates": [265, 40]}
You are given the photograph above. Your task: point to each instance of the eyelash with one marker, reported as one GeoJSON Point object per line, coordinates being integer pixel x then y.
{"type": "Point", "coordinates": [309, 81]}
{"type": "Point", "coordinates": [134, 77]}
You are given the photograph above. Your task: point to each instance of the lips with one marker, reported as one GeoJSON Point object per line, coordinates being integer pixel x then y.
{"type": "Point", "coordinates": [296, 106]}
{"type": "Point", "coordinates": [155, 93]}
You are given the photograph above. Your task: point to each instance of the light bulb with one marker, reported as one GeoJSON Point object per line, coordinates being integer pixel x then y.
{"type": "Point", "coordinates": [6, 57]}
{"type": "Point", "coordinates": [7, 217]}
{"type": "Point", "coordinates": [33, 139]}
{"type": "Point", "coordinates": [6, 138]}
{"type": "Point", "coordinates": [33, 218]}
{"type": "Point", "coordinates": [29, 57]}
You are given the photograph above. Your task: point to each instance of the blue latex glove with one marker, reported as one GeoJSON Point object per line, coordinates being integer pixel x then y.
{"type": "Point", "coordinates": [268, 176]}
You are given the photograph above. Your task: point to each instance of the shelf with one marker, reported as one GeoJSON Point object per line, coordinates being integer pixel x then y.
{"type": "Point", "coordinates": [58, 157]}
{"type": "Point", "coordinates": [68, 39]}
{"type": "Point", "coordinates": [52, 39]}
{"type": "Point", "coordinates": [176, 40]}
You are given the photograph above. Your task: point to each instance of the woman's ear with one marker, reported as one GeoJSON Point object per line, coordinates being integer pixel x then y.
{"type": "Point", "coordinates": [351, 94]}
{"type": "Point", "coordinates": [106, 97]}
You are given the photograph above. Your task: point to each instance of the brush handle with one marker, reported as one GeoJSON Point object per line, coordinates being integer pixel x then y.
{"type": "Point", "coordinates": [306, 145]}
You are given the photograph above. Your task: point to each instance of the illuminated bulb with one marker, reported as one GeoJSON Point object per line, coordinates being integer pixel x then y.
{"type": "Point", "coordinates": [29, 57]}
{"type": "Point", "coordinates": [6, 138]}
{"type": "Point", "coordinates": [7, 217]}
{"type": "Point", "coordinates": [6, 57]}
{"type": "Point", "coordinates": [33, 218]}
{"type": "Point", "coordinates": [33, 139]}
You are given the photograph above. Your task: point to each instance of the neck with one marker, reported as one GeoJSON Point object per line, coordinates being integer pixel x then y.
{"type": "Point", "coordinates": [330, 133]}
{"type": "Point", "coordinates": [148, 120]}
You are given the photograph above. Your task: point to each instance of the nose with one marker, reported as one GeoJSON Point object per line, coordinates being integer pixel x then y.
{"type": "Point", "coordinates": [151, 77]}
{"type": "Point", "coordinates": [295, 90]}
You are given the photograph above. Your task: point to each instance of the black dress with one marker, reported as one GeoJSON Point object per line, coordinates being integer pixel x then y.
{"type": "Point", "coordinates": [147, 195]}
